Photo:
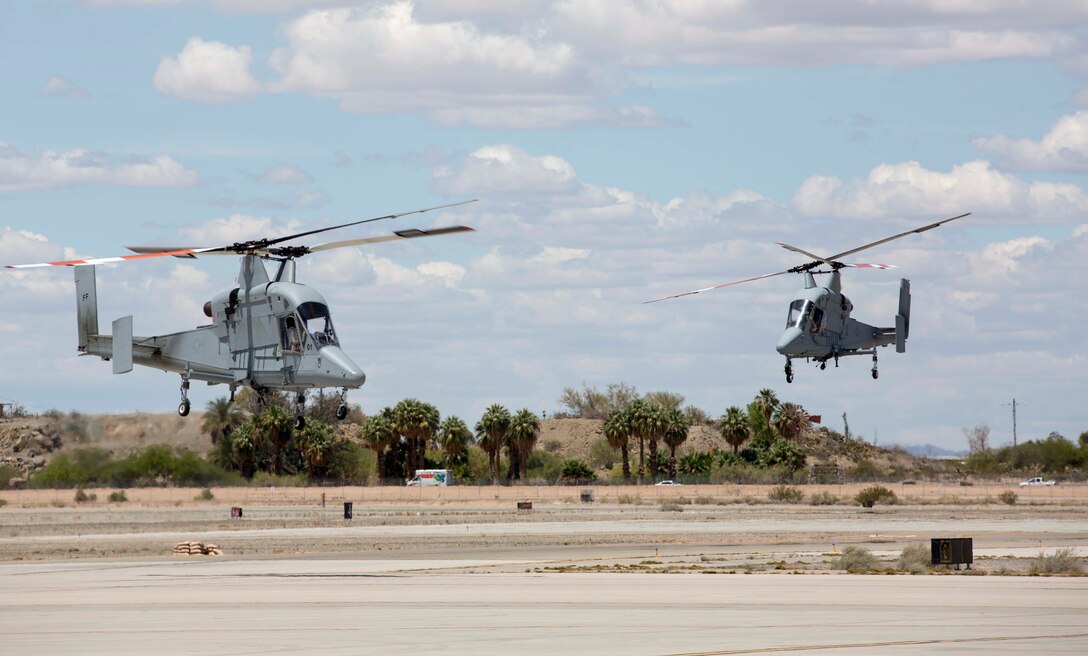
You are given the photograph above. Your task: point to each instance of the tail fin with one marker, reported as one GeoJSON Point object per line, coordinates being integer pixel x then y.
{"type": "Point", "coordinates": [902, 320]}
{"type": "Point", "coordinates": [86, 305]}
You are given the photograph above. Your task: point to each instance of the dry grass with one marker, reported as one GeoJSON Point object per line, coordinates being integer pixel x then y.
{"type": "Point", "coordinates": [1063, 561]}
{"type": "Point", "coordinates": [915, 559]}
{"type": "Point", "coordinates": [856, 561]}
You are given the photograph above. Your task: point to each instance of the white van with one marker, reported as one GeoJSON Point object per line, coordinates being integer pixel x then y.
{"type": "Point", "coordinates": [429, 477]}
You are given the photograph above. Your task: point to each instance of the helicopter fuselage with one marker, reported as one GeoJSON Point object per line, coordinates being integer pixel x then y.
{"type": "Point", "coordinates": [264, 334]}
{"type": "Point", "coordinates": [819, 327]}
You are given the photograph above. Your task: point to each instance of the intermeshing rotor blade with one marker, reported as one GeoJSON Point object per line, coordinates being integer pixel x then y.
{"type": "Point", "coordinates": [399, 234]}
{"type": "Point", "coordinates": [181, 252]}
{"type": "Point", "coordinates": [279, 240]}
{"type": "Point", "coordinates": [707, 289]}
{"type": "Point", "coordinates": [894, 237]}
{"type": "Point", "coordinates": [818, 258]}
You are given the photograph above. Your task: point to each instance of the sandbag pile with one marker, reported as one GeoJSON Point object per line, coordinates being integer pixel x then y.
{"type": "Point", "coordinates": [192, 548]}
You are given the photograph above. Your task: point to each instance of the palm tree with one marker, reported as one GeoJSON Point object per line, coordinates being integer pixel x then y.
{"type": "Point", "coordinates": [491, 433]}
{"type": "Point", "coordinates": [652, 423]}
{"type": "Point", "coordinates": [524, 431]}
{"type": "Point", "coordinates": [220, 418]}
{"type": "Point", "coordinates": [243, 448]}
{"type": "Point", "coordinates": [377, 434]}
{"type": "Point", "coordinates": [676, 433]}
{"type": "Point", "coordinates": [315, 443]}
{"type": "Point", "coordinates": [277, 426]}
{"type": "Point", "coordinates": [636, 412]}
{"type": "Point", "coordinates": [734, 427]}
{"type": "Point", "coordinates": [767, 402]}
{"type": "Point", "coordinates": [617, 430]}
{"type": "Point", "coordinates": [454, 437]}
{"type": "Point", "coordinates": [417, 422]}
{"type": "Point", "coordinates": [789, 420]}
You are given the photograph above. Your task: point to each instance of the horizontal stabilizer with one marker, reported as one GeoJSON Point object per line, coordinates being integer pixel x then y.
{"type": "Point", "coordinates": [122, 345]}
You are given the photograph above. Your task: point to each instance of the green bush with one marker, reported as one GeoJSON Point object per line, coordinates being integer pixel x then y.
{"type": "Point", "coordinates": [855, 560]}
{"type": "Point", "coordinates": [7, 472]}
{"type": "Point", "coordinates": [672, 506]}
{"type": "Point", "coordinates": [786, 494]}
{"type": "Point", "coordinates": [1008, 497]}
{"type": "Point", "coordinates": [823, 499]}
{"type": "Point", "coordinates": [602, 455]}
{"type": "Point", "coordinates": [3, 502]}
{"type": "Point", "coordinates": [1062, 561]}
{"type": "Point", "coordinates": [915, 558]}
{"type": "Point", "coordinates": [118, 496]}
{"type": "Point", "coordinates": [205, 495]}
{"type": "Point", "coordinates": [83, 497]}
{"type": "Point", "coordinates": [875, 494]}
{"type": "Point", "coordinates": [575, 472]}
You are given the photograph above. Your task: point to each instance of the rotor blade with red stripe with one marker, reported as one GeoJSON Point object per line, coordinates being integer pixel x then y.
{"type": "Point", "coordinates": [184, 252]}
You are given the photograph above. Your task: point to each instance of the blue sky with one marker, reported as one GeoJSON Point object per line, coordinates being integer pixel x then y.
{"type": "Point", "coordinates": [621, 150]}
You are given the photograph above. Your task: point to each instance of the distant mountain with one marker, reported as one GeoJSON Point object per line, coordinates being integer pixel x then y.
{"type": "Point", "coordinates": [930, 451]}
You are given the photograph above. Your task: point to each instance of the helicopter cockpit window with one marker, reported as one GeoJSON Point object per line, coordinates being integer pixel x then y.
{"type": "Point", "coordinates": [817, 321]}
{"type": "Point", "coordinates": [317, 322]}
{"type": "Point", "coordinates": [799, 311]}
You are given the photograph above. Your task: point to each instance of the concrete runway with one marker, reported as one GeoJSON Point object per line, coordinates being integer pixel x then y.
{"type": "Point", "coordinates": [422, 606]}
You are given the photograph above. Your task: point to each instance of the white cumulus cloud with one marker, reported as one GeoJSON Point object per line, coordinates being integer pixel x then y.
{"type": "Point", "coordinates": [910, 190]}
{"type": "Point", "coordinates": [1063, 148]}
{"type": "Point", "coordinates": [207, 72]}
{"type": "Point", "coordinates": [49, 169]}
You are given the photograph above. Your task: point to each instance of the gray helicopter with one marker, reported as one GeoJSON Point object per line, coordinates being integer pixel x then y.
{"type": "Point", "coordinates": [818, 325]}
{"type": "Point", "coordinates": [268, 333]}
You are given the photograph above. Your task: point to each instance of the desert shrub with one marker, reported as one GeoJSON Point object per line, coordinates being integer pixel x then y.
{"type": "Point", "coordinates": [350, 463]}
{"type": "Point", "coordinates": [75, 468]}
{"type": "Point", "coordinates": [265, 479]}
{"type": "Point", "coordinates": [205, 495]}
{"type": "Point", "coordinates": [672, 506]}
{"type": "Point", "coordinates": [783, 453]}
{"type": "Point", "coordinates": [875, 494]}
{"type": "Point", "coordinates": [915, 558]}
{"type": "Point", "coordinates": [823, 499]}
{"type": "Point", "coordinates": [855, 559]}
{"type": "Point", "coordinates": [1062, 561]}
{"type": "Point", "coordinates": [83, 497]}
{"type": "Point", "coordinates": [601, 454]}
{"type": "Point", "coordinates": [3, 502]}
{"type": "Point", "coordinates": [542, 466]}
{"type": "Point", "coordinates": [7, 472]}
{"type": "Point", "coordinates": [785, 494]}
{"type": "Point", "coordinates": [1008, 497]}
{"type": "Point", "coordinates": [118, 496]}
{"type": "Point", "coordinates": [627, 498]}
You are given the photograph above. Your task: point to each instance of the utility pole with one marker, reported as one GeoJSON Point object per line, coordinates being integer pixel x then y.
{"type": "Point", "coordinates": [1014, 404]}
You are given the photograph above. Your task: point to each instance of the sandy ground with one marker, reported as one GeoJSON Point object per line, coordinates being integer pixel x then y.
{"type": "Point", "coordinates": [440, 569]}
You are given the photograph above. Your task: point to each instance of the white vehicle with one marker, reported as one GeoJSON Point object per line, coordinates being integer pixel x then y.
{"type": "Point", "coordinates": [667, 483]}
{"type": "Point", "coordinates": [431, 477]}
{"type": "Point", "coordinates": [1036, 482]}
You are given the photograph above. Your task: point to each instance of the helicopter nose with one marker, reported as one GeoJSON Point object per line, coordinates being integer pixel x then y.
{"type": "Point", "coordinates": [789, 340]}
{"type": "Point", "coordinates": [338, 363]}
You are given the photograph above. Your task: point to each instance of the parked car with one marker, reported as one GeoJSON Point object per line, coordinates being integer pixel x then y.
{"type": "Point", "coordinates": [1037, 481]}
{"type": "Point", "coordinates": [659, 483]}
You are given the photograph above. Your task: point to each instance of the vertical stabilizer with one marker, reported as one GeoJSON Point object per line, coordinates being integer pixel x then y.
{"type": "Point", "coordinates": [86, 305]}
{"type": "Point", "coordinates": [902, 320]}
{"type": "Point", "coordinates": [122, 345]}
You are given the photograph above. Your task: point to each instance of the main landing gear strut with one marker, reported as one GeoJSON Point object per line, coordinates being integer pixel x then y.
{"type": "Point", "coordinates": [185, 405]}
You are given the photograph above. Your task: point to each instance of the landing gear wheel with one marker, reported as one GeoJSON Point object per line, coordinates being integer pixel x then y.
{"type": "Point", "coordinates": [300, 422]}
{"type": "Point", "coordinates": [789, 371]}
{"type": "Point", "coordinates": [823, 365]}
{"type": "Point", "coordinates": [341, 412]}
{"type": "Point", "coordinates": [876, 374]}
{"type": "Point", "coordinates": [183, 408]}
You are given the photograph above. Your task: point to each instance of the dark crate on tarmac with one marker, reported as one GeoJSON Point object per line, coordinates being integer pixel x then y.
{"type": "Point", "coordinates": [952, 551]}
{"type": "Point", "coordinates": [347, 510]}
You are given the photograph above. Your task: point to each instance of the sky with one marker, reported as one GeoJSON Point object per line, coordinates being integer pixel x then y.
{"type": "Point", "coordinates": [621, 150]}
